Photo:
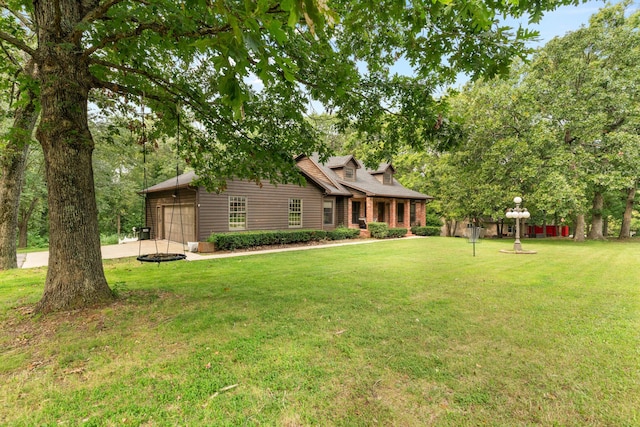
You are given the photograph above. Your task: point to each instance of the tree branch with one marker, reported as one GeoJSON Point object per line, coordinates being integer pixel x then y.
{"type": "Point", "coordinates": [127, 90]}
{"type": "Point", "coordinates": [160, 29]}
{"type": "Point", "coordinates": [160, 81]}
{"type": "Point", "coordinates": [17, 43]}
{"type": "Point", "coordinates": [92, 15]}
{"type": "Point", "coordinates": [10, 56]}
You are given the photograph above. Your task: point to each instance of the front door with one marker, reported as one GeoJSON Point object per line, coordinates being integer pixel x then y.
{"type": "Point", "coordinates": [355, 212]}
{"type": "Point", "coordinates": [381, 212]}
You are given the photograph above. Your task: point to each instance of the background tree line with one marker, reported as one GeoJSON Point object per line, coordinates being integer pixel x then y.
{"type": "Point", "coordinates": [562, 131]}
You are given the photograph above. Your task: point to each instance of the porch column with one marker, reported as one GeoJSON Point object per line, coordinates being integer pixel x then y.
{"type": "Point", "coordinates": [393, 214]}
{"type": "Point", "coordinates": [349, 210]}
{"type": "Point", "coordinates": [369, 210]}
{"type": "Point", "coordinates": [407, 214]}
{"type": "Point", "coordinates": [422, 217]}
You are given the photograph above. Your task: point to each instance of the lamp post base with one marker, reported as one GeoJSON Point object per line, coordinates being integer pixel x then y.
{"type": "Point", "coordinates": [520, 252]}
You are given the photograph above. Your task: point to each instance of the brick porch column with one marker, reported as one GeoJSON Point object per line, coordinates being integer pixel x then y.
{"type": "Point", "coordinates": [393, 214]}
{"type": "Point", "coordinates": [369, 210]}
{"type": "Point", "coordinates": [407, 214]}
{"type": "Point", "coordinates": [422, 217]}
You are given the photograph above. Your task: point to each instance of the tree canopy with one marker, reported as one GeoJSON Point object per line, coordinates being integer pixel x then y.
{"type": "Point", "coordinates": [561, 130]}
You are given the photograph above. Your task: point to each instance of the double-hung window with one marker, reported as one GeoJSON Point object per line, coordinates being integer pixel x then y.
{"type": "Point", "coordinates": [349, 173]}
{"type": "Point", "coordinates": [295, 213]}
{"type": "Point", "coordinates": [327, 212]}
{"type": "Point", "coordinates": [387, 179]}
{"type": "Point", "coordinates": [237, 213]}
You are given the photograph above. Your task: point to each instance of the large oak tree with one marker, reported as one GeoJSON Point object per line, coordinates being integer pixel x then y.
{"type": "Point", "coordinates": [242, 74]}
{"type": "Point", "coordinates": [587, 85]}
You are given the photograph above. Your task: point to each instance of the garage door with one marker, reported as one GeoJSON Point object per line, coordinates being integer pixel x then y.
{"type": "Point", "coordinates": [180, 223]}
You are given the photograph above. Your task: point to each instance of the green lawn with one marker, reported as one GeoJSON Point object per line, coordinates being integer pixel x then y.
{"type": "Point", "coordinates": [408, 332]}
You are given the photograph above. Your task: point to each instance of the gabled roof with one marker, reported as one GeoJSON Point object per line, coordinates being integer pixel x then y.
{"type": "Point", "coordinates": [340, 161]}
{"type": "Point", "coordinates": [366, 182]}
{"type": "Point", "coordinates": [382, 168]}
{"type": "Point", "coordinates": [181, 181]}
{"type": "Point", "coordinates": [186, 179]}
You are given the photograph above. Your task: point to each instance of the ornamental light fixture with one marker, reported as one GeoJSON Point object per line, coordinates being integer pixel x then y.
{"type": "Point", "coordinates": [518, 213]}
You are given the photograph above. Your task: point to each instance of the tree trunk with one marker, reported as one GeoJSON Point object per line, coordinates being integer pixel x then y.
{"type": "Point", "coordinates": [75, 277]}
{"type": "Point", "coordinates": [23, 223]}
{"type": "Point", "coordinates": [578, 236]}
{"type": "Point", "coordinates": [13, 161]}
{"type": "Point", "coordinates": [625, 229]}
{"type": "Point", "coordinates": [452, 227]}
{"type": "Point", "coordinates": [596, 232]}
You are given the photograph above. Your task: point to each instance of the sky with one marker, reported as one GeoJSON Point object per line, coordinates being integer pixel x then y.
{"type": "Point", "coordinates": [552, 24]}
{"type": "Point", "coordinates": [555, 23]}
{"type": "Point", "coordinates": [563, 20]}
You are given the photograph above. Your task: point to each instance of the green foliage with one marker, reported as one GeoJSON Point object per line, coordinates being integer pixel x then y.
{"type": "Point", "coordinates": [428, 230]}
{"type": "Point", "coordinates": [378, 230]}
{"type": "Point", "coordinates": [109, 239]}
{"type": "Point", "coordinates": [588, 83]}
{"type": "Point", "coordinates": [246, 73]}
{"type": "Point", "coordinates": [249, 239]}
{"type": "Point", "coordinates": [343, 233]}
{"type": "Point", "coordinates": [123, 168]}
{"type": "Point", "coordinates": [556, 131]}
{"type": "Point", "coordinates": [394, 233]}
{"type": "Point", "coordinates": [37, 240]}
{"type": "Point", "coordinates": [433, 219]}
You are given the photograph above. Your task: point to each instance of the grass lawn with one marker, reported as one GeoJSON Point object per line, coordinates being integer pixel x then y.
{"type": "Point", "coordinates": [406, 332]}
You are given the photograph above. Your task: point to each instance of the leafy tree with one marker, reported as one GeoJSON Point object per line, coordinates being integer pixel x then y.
{"type": "Point", "coordinates": [32, 213]}
{"type": "Point", "coordinates": [124, 164]}
{"type": "Point", "coordinates": [587, 85]}
{"type": "Point", "coordinates": [201, 55]}
{"type": "Point", "coordinates": [19, 114]}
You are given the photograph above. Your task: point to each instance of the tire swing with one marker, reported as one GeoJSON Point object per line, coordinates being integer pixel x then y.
{"type": "Point", "coordinates": [158, 256]}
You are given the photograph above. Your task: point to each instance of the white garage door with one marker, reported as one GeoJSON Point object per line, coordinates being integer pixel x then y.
{"type": "Point", "coordinates": [180, 223]}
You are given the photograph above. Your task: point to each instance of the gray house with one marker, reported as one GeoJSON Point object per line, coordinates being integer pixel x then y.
{"type": "Point", "coordinates": [340, 192]}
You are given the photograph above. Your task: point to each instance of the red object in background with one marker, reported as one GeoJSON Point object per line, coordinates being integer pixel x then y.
{"type": "Point", "coordinates": [552, 231]}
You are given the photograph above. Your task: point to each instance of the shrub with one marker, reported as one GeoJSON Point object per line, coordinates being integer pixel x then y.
{"type": "Point", "coordinates": [35, 240]}
{"type": "Point", "coordinates": [342, 233]}
{"type": "Point", "coordinates": [108, 239]}
{"type": "Point", "coordinates": [433, 220]}
{"type": "Point", "coordinates": [248, 239]}
{"type": "Point", "coordinates": [428, 230]}
{"type": "Point", "coordinates": [395, 233]}
{"type": "Point", "coordinates": [378, 230]}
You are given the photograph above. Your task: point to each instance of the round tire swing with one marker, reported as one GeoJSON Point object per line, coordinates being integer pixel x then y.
{"type": "Point", "coordinates": [158, 256]}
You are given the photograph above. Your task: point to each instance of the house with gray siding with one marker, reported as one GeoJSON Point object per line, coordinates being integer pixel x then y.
{"type": "Point", "coordinates": [338, 192]}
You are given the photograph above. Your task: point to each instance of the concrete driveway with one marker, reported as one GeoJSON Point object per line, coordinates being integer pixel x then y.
{"type": "Point", "coordinates": [123, 250]}
{"type": "Point", "coordinates": [133, 249]}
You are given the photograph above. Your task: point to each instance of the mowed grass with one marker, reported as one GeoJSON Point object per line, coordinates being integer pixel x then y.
{"type": "Point", "coordinates": [408, 332]}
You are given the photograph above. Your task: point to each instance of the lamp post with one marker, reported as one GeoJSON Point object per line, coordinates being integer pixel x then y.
{"type": "Point", "coordinates": [517, 213]}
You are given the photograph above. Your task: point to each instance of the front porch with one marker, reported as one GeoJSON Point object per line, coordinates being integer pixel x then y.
{"type": "Point", "coordinates": [397, 213]}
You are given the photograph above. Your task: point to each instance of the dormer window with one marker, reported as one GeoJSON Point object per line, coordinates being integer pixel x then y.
{"type": "Point", "coordinates": [349, 173]}
{"type": "Point", "coordinates": [387, 178]}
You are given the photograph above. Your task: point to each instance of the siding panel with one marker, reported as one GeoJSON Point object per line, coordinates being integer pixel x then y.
{"type": "Point", "coordinates": [267, 207]}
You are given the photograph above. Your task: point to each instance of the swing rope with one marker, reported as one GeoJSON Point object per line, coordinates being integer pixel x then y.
{"type": "Point", "coordinates": [158, 256]}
